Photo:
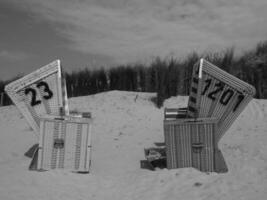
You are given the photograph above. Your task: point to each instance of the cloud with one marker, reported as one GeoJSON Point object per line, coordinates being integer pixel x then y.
{"type": "Point", "coordinates": [12, 56]}
{"type": "Point", "coordinates": [131, 30]}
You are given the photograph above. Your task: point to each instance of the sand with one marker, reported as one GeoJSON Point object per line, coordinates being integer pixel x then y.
{"type": "Point", "coordinates": [124, 124]}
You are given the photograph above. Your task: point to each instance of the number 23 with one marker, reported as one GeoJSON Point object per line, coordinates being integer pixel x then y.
{"type": "Point", "coordinates": [48, 93]}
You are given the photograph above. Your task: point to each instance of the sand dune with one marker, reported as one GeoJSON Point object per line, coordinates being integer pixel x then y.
{"type": "Point", "coordinates": [124, 124]}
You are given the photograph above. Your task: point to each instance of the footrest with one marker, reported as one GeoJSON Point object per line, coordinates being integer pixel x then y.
{"type": "Point", "coordinates": [155, 158]}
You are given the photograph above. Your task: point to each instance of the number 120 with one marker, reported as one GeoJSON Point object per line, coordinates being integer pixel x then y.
{"type": "Point", "coordinates": [225, 97]}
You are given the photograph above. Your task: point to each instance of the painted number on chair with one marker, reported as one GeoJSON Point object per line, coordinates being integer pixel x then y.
{"type": "Point", "coordinates": [226, 96]}
{"type": "Point", "coordinates": [47, 93]}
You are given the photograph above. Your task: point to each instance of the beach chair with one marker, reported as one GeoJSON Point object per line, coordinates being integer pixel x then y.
{"type": "Point", "coordinates": [216, 99]}
{"type": "Point", "coordinates": [64, 139]}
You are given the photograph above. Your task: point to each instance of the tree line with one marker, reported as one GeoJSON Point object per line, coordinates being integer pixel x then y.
{"type": "Point", "coordinates": [169, 76]}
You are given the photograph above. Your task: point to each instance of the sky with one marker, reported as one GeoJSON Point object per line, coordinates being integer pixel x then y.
{"type": "Point", "coordinates": [105, 33]}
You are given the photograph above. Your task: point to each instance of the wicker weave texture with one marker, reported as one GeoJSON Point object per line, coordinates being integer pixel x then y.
{"type": "Point", "coordinates": [65, 143]}
{"type": "Point", "coordinates": [191, 143]}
